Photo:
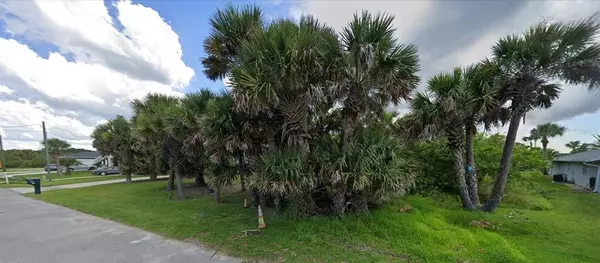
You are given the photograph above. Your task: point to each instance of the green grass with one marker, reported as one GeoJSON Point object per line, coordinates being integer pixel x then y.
{"type": "Point", "coordinates": [14, 170]}
{"type": "Point", "coordinates": [436, 230]}
{"type": "Point", "coordinates": [73, 178]}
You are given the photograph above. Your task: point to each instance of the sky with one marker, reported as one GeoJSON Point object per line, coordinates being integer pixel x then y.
{"type": "Point", "coordinates": [75, 64]}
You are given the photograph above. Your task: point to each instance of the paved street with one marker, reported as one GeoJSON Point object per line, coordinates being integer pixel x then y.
{"type": "Point", "coordinates": [24, 190]}
{"type": "Point", "coordinates": [33, 231]}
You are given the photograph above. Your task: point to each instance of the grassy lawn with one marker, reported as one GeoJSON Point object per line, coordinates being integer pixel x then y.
{"type": "Point", "coordinates": [73, 178]}
{"type": "Point", "coordinates": [14, 170]}
{"type": "Point", "coordinates": [436, 230]}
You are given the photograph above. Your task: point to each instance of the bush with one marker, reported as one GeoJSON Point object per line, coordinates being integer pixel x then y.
{"type": "Point", "coordinates": [435, 162]}
{"type": "Point", "coordinates": [434, 167]}
{"type": "Point", "coordinates": [373, 169]}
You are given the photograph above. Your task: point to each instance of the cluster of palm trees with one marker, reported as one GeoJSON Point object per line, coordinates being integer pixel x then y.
{"type": "Point", "coordinates": [502, 89]}
{"type": "Point", "coordinates": [578, 146]}
{"type": "Point", "coordinates": [542, 133]}
{"type": "Point", "coordinates": [304, 125]}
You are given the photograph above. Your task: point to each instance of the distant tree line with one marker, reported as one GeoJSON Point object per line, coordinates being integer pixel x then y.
{"type": "Point", "coordinates": [26, 158]}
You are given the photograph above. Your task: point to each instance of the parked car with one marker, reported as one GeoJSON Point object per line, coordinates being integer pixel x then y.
{"type": "Point", "coordinates": [106, 170]}
{"type": "Point", "coordinates": [82, 168]}
{"type": "Point", "coordinates": [50, 167]}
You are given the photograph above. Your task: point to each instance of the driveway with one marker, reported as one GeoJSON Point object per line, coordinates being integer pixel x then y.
{"type": "Point", "coordinates": [32, 231]}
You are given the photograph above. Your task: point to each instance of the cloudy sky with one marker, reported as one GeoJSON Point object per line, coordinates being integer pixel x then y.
{"type": "Point", "coordinates": [75, 64]}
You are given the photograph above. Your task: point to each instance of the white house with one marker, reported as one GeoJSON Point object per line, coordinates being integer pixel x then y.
{"type": "Point", "coordinates": [582, 168]}
{"type": "Point", "coordinates": [90, 158]}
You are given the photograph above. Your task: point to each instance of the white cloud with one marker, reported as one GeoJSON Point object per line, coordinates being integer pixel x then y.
{"type": "Point", "coordinates": [409, 14]}
{"type": "Point", "coordinates": [101, 63]}
{"type": "Point", "coordinates": [5, 90]}
{"type": "Point", "coordinates": [453, 33]}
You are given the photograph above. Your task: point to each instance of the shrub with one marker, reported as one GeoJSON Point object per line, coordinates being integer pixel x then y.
{"type": "Point", "coordinates": [434, 167]}
{"type": "Point", "coordinates": [374, 169]}
{"type": "Point", "coordinates": [435, 162]}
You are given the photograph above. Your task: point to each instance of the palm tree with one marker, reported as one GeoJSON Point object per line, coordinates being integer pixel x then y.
{"type": "Point", "coordinates": [194, 105]}
{"type": "Point", "coordinates": [528, 139]}
{"type": "Point", "coordinates": [115, 138]}
{"type": "Point", "coordinates": [56, 146]}
{"type": "Point", "coordinates": [577, 146]}
{"type": "Point", "coordinates": [548, 51]}
{"type": "Point", "coordinates": [534, 136]}
{"type": "Point", "coordinates": [122, 144]}
{"type": "Point", "coordinates": [225, 140]}
{"type": "Point", "coordinates": [441, 110]}
{"type": "Point", "coordinates": [377, 70]}
{"type": "Point", "coordinates": [596, 145]}
{"type": "Point", "coordinates": [230, 27]}
{"type": "Point", "coordinates": [151, 127]}
{"type": "Point", "coordinates": [549, 130]}
{"type": "Point", "coordinates": [284, 70]}
{"type": "Point", "coordinates": [481, 106]}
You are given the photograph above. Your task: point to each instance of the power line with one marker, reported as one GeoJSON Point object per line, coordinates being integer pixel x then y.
{"type": "Point", "coordinates": [19, 126]}
{"type": "Point", "coordinates": [57, 128]}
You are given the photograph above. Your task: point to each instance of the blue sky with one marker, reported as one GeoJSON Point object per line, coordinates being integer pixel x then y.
{"type": "Point", "coordinates": [190, 19]}
{"type": "Point", "coordinates": [74, 64]}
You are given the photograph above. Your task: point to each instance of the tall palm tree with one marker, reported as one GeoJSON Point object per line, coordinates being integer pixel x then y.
{"type": "Point", "coordinates": [122, 144]}
{"type": "Point", "coordinates": [534, 136]}
{"type": "Point", "coordinates": [226, 140]}
{"type": "Point", "coordinates": [56, 147]}
{"type": "Point", "coordinates": [577, 146]}
{"type": "Point", "coordinates": [230, 27]}
{"type": "Point", "coordinates": [481, 106]}
{"type": "Point", "coordinates": [284, 70]}
{"type": "Point", "coordinates": [442, 110]}
{"type": "Point", "coordinates": [546, 52]}
{"type": "Point", "coordinates": [528, 139]}
{"type": "Point", "coordinates": [377, 70]}
{"type": "Point", "coordinates": [549, 130]}
{"type": "Point", "coordinates": [115, 138]}
{"type": "Point", "coordinates": [151, 127]}
{"type": "Point", "coordinates": [194, 105]}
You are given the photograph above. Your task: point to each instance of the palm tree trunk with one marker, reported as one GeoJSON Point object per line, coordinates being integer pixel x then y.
{"type": "Point", "coordinates": [461, 184]}
{"type": "Point", "coordinates": [128, 177]}
{"type": "Point", "coordinates": [199, 178]}
{"type": "Point", "coordinates": [242, 169]}
{"type": "Point", "coordinates": [217, 194]}
{"type": "Point", "coordinates": [171, 181]}
{"type": "Point", "coordinates": [505, 163]}
{"type": "Point", "coordinates": [277, 203]}
{"type": "Point", "coordinates": [57, 160]}
{"type": "Point", "coordinates": [179, 182]}
{"type": "Point", "coordinates": [339, 198]}
{"type": "Point", "coordinates": [472, 175]}
{"type": "Point", "coordinates": [545, 149]}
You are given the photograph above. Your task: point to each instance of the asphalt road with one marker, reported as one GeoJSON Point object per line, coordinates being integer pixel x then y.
{"type": "Point", "coordinates": [32, 231]}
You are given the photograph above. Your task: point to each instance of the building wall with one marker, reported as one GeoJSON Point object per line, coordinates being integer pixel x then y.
{"type": "Point", "coordinates": [577, 173]}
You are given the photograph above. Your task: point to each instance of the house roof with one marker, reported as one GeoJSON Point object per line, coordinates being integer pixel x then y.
{"type": "Point", "coordinates": [588, 156]}
{"type": "Point", "coordinates": [82, 155]}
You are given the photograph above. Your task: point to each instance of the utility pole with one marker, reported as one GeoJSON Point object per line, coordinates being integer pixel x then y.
{"type": "Point", "coordinates": [2, 159]}
{"type": "Point", "coordinates": [46, 150]}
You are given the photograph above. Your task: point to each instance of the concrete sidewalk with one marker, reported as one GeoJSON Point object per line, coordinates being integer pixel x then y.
{"type": "Point", "coordinates": [25, 190]}
{"type": "Point", "coordinates": [34, 231]}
